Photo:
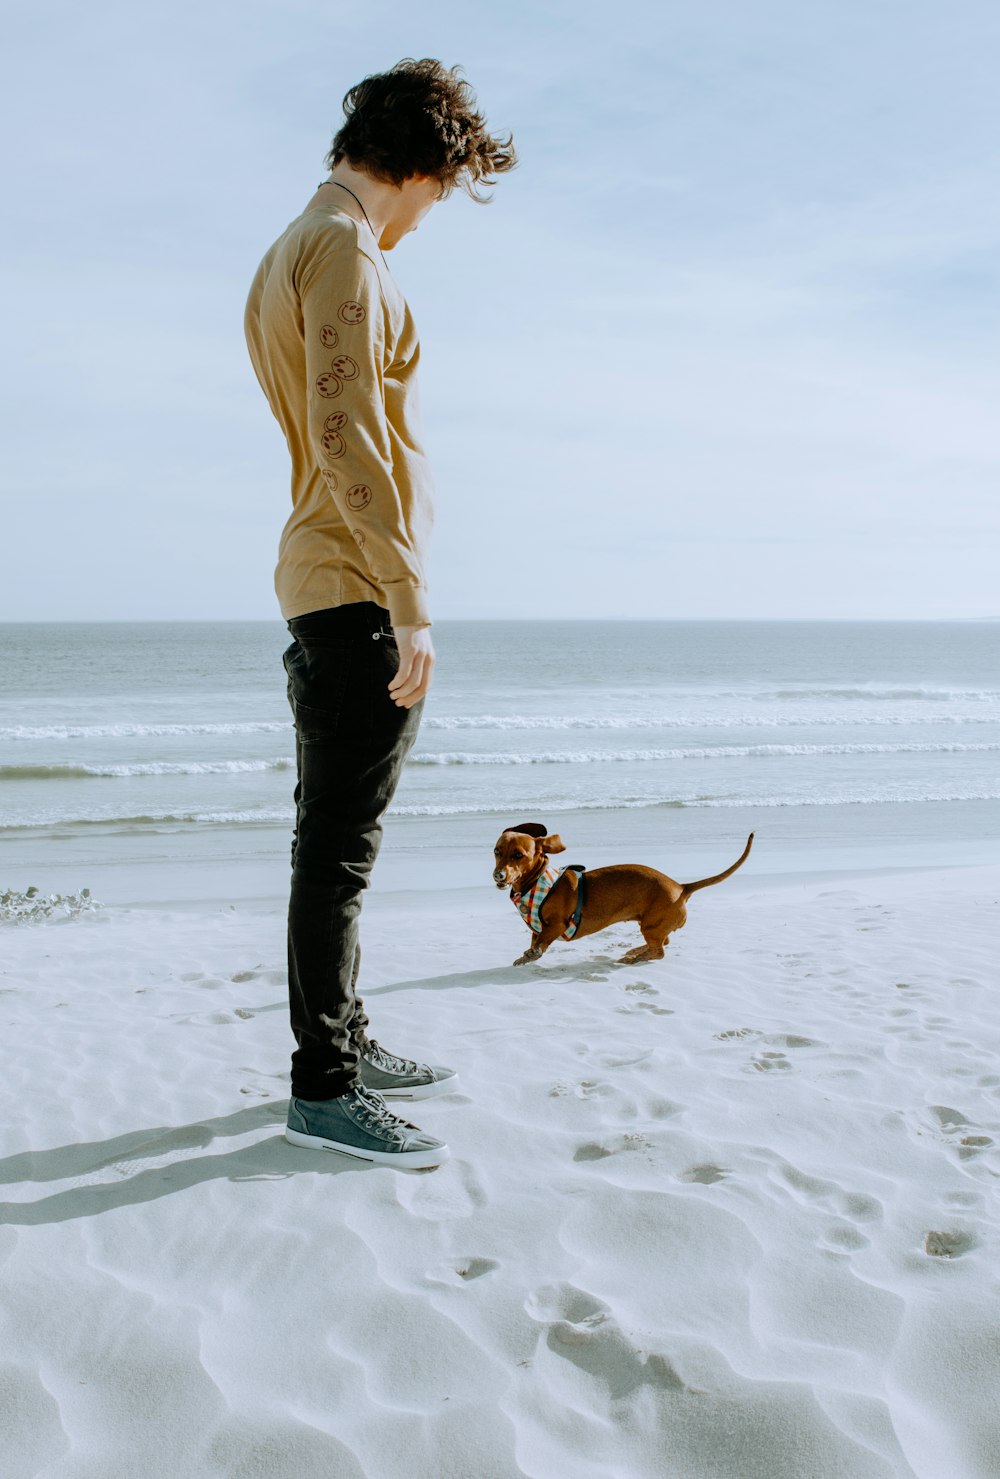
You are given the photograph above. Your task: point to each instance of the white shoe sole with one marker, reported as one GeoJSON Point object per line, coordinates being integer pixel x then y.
{"type": "Point", "coordinates": [420, 1091]}
{"type": "Point", "coordinates": [414, 1159]}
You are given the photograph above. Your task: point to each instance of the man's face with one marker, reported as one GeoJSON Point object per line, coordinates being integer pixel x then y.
{"type": "Point", "coordinates": [416, 196]}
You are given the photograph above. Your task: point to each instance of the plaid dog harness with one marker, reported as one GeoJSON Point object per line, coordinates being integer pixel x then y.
{"type": "Point", "coordinates": [530, 904]}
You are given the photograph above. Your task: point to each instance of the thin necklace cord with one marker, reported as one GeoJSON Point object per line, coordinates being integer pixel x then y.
{"type": "Point", "coordinates": [371, 228]}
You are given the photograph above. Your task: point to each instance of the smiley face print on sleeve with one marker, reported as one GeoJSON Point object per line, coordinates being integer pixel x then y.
{"type": "Point", "coordinates": [334, 444]}
{"type": "Point", "coordinates": [344, 367]}
{"type": "Point", "coordinates": [332, 383]}
{"type": "Point", "coordinates": [345, 353]}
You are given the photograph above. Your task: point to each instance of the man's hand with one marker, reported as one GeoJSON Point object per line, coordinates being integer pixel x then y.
{"type": "Point", "coordinates": [416, 664]}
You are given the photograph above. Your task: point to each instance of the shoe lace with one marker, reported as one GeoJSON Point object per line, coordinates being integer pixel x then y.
{"type": "Point", "coordinates": [389, 1061]}
{"type": "Point", "coordinates": [373, 1111]}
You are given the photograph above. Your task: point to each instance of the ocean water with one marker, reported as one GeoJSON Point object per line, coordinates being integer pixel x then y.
{"type": "Point", "coordinates": [114, 737]}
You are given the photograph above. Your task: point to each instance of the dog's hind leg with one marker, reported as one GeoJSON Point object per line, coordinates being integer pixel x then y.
{"type": "Point", "coordinates": [652, 950]}
{"type": "Point", "coordinates": [657, 926]}
{"type": "Point", "coordinates": [656, 936]}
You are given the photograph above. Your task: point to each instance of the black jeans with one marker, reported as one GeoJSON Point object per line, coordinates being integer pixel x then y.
{"type": "Point", "coordinates": [351, 740]}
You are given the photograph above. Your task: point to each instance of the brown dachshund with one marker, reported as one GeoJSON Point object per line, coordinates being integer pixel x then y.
{"type": "Point", "coordinates": [580, 903]}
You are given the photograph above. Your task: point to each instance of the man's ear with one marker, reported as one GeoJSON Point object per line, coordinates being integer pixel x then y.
{"type": "Point", "coordinates": [552, 844]}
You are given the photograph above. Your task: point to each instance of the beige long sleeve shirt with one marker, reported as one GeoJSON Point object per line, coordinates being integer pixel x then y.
{"type": "Point", "coordinates": [334, 346]}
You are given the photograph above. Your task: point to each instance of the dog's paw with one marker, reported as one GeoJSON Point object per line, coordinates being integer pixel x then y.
{"type": "Point", "coordinates": [528, 957]}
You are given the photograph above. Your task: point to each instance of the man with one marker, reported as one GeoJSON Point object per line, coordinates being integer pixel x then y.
{"type": "Point", "coordinates": [335, 349]}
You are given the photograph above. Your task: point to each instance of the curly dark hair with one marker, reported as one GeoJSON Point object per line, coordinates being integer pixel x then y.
{"type": "Point", "coordinates": [420, 118]}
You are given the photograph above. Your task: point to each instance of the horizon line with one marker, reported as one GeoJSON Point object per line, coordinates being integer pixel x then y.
{"type": "Point", "coordinates": [507, 620]}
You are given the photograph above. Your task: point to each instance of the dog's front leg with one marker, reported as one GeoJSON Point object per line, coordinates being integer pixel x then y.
{"type": "Point", "coordinates": [533, 951]}
{"type": "Point", "coordinates": [541, 942]}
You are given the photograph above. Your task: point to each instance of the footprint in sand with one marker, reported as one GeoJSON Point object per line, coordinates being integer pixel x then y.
{"type": "Point", "coordinates": [860, 1205]}
{"type": "Point", "coordinates": [644, 989]}
{"type": "Point", "coordinates": [598, 1150]}
{"type": "Point", "coordinates": [704, 1175]}
{"type": "Point", "coordinates": [215, 1019]}
{"type": "Point", "coordinates": [445, 1197]}
{"type": "Point", "coordinates": [645, 1006]}
{"type": "Point", "coordinates": [949, 1244]}
{"type": "Point", "coordinates": [964, 1199]}
{"type": "Point", "coordinates": [592, 1151]}
{"type": "Point", "coordinates": [206, 1019]}
{"type": "Point", "coordinates": [269, 978]}
{"type": "Point", "coordinates": [845, 1239]}
{"type": "Point", "coordinates": [199, 978]}
{"type": "Point", "coordinates": [567, 1303]}
{"type": "Point", "coordinates": [458, 1270]}
{"type": "Point", "coordinates": [616, 1060]}
{"type": "Point", "coordinates": [856, 1205]}
{"type": "Point", "coordinates": [581, 1329]}
{"type": "Point", "coordinates": [768, 1062]}
{"type": "Point", "coordinates": [583, 1088]}
{"type": "Point", "coordinates": [475, 1268]}
{"type": "Point", "coordinates": [950, 1121]}
{"type": "Point", "coordinates": [972, 1145]}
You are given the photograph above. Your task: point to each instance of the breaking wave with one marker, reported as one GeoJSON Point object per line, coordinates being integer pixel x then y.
{"type": "Point", "coordinates": [694, 752]}
{"type": "Point", "coordinates": [152, 767]}
{"type": "Point", "coordinates": [267, 815]}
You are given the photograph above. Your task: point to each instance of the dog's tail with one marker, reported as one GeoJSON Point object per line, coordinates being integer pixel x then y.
{"type": "Point", "coordinates": [690, 888]}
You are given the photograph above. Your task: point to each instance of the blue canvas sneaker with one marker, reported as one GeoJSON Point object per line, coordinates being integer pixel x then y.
{"type": "Point", "coordinates": [359, 1124]}
{"type": "Point", "coordinates": [402, 1078]}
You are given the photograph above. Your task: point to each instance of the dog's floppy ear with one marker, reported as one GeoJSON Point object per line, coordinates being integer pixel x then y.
{"type": "Point", "coordinates": [531, 829]}
{"type": "Point", "coordinates": [553, 843]}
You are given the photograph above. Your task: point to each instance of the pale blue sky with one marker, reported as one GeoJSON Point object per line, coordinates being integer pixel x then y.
{"type": "Point", "coordinates": [723, 345]}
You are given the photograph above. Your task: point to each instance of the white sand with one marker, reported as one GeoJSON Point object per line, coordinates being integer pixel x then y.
{"type": "Point", "coordinates": [732, 1214]}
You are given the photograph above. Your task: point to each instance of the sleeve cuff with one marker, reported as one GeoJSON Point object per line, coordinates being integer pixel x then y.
{"type": "Point", "coordinates": [408, 606]}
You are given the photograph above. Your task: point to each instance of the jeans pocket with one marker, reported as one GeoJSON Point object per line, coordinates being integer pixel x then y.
{"type": "Point", "coordinates": [318, 674]}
